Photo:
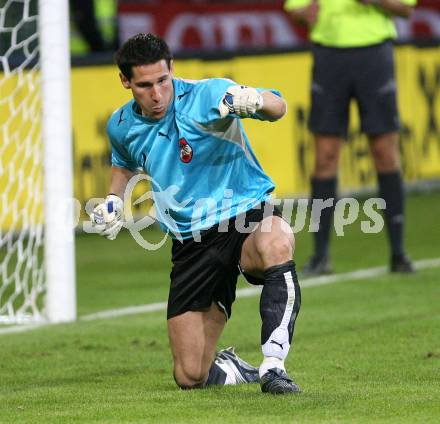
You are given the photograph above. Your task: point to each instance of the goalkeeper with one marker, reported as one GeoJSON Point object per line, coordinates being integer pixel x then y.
{"type": "Point", "coordinates": [187, 136]}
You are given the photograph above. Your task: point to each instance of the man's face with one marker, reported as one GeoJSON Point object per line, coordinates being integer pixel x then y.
{"type": "Point", "coordinates": [152, 88]}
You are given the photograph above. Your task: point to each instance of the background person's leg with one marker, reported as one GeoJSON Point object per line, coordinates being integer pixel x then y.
{"type": "Point", "coordinates": [376, 94]}
{"type": "Point", "coordinates": [331, 91]}
{"type": "Point", "coordinates": [385, 151]}
{"type": "Point", "coordinates": [324, 187]}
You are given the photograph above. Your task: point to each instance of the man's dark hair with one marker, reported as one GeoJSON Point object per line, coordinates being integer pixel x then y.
{"type": "Point", "coordinates": [142, 49]}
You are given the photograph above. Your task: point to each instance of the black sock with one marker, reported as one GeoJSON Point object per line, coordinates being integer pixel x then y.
{"type": "Point", "coordinates": [216, 376]}
{"type": "Point", "coordinates": [324, 189]}
{"type": "Point", "coordinates": [391, 190]}
{"type": "Point", "coordinates": [279, 306]}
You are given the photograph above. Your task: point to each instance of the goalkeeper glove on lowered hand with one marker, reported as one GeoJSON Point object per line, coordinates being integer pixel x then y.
{"type": "Point", "coordinates": [241, 100]}
{"type": "Point", "coordinates": [107, 217]}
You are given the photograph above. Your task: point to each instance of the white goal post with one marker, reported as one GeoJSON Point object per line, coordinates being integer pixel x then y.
{"type": "Point", "coordinates": [37, 265]}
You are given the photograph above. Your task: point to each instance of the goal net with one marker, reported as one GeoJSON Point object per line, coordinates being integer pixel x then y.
{"type": "Point", "coordinates": [29, 286]}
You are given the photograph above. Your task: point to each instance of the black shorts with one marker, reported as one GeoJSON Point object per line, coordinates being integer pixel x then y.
{"type": "Point", "coordinates": [365, 74]}
{"type": "Point", "coordinates": [206, 271]}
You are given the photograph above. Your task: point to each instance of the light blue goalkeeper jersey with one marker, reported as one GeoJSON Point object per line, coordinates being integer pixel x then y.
{"type": "Point", "coordinates": [202, 168]}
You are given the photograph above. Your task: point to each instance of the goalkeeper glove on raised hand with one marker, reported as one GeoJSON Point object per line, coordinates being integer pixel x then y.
{"type": "Point", "coordinates": [241, 100]}
{"type": "Point", "coordinates": [108, 217]}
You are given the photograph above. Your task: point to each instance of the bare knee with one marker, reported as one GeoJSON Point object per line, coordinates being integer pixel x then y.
{"type": "Point", "coordinates": [189, 376]}
{"type": "Point", "coordinates": [326, 164]}
{"type": "Point", "coordinates": [327, 151]}
{"type": "Point", "coordinates": [385, 151]}
{"type": "Point", "coordinates": [277, 251]}
{"type": "Point", "coordinates": [386, 161]}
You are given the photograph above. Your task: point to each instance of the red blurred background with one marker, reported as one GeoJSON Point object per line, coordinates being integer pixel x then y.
{"type": "Point", "coordinates": [211, 26]}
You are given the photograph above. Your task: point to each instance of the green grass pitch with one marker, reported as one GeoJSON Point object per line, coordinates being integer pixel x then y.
{"type": "Point", "coordinates": [365, 351]}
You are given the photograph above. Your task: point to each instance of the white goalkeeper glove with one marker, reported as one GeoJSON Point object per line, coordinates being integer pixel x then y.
{"type": "Point", "coordinates": [108, 217]}
{"type": "Point", "coordinates": [241, 100]}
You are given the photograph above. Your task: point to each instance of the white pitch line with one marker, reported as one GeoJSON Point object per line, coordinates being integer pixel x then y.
{"type": "Point", "coordinates": [361, 274]}
{"type": "Point", "coordinates": [130, 310]}
{"type": "Point", "coordinates": [22, 328]}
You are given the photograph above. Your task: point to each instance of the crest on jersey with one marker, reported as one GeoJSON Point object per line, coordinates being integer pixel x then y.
{"type": "Point", "coordinates": [186, 151]}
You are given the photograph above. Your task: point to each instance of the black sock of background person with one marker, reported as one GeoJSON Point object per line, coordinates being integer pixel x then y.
{"type": "Point", "coordinates": [273, 300]}
{"type": "Point", "coordinates": [391, 190]}
{"type": "Point", "coordinates": [323, 189]}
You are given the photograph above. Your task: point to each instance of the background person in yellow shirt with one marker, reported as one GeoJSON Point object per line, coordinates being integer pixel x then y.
{"type": "Point", "coordinates": [353, 58]}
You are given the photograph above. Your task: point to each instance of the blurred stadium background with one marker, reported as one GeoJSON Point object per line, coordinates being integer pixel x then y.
{"type": "Point", "coordinates": [256, 43]}
{"type": "Point", "coordinates": [381, 338]}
